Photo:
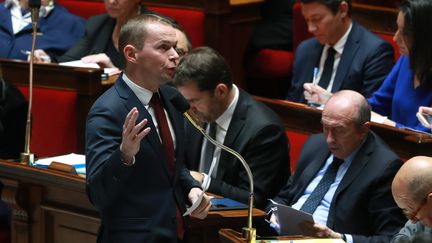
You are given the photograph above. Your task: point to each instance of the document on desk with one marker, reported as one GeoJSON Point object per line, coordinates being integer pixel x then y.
{"type": "Point", "coordinates": [292, 221]}
{"type": "Point", "coordinates": [75, 160]}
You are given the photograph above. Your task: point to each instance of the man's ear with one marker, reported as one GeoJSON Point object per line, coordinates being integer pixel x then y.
{"type": "Point", "coordinates": [343, 9]}
{"type": "Point", "coordinates": [130, 53]}
{"type": "Point", "coordinates": [221, 90]}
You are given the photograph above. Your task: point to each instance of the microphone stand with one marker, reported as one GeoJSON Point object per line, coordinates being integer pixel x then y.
{"type": "Point", "coordinates": [248, 232]}
{"type": "Point", "coordinates": [27, 157]}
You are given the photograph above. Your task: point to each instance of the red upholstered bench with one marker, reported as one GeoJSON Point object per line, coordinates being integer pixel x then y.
{"type": "Point", "coordinates": [54, 130]}
{"type": "Point", "coordinates": [83, 8]}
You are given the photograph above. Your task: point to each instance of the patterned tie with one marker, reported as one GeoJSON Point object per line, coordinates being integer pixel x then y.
{"type": "Point", "coordinates": [328, 69]}
{"type": "Point", "coordinates": [168, 146]}
{"type": "Point", "coordinates": [209, 149]}
{"type": "Point", "coordinates": [323, 186]}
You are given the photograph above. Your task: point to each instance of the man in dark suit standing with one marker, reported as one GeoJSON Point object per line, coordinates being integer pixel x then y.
{"type": "Point", "coordinates": [345, 54]}
{"type": "Point", "coordinates": [135, 142]}
{"type": "Point", "coordinates": [343, 177]}
{"type": "Point", "coordinates": [238, 121]}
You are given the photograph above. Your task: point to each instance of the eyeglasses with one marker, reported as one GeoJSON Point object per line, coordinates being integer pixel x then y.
{"type": "Point", "coordinates": [413, 216]}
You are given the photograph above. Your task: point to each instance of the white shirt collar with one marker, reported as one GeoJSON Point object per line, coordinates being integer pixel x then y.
{"type": "Point", "coordinates": [144, 95]}
{"type": "Point", "coordinates": [224, 120]}
{"type": "Point", "coordinates": [339, 46]}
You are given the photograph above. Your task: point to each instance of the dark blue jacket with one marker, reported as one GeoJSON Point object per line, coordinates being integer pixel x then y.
{"type": "Point", "coordinates": [56, 34]}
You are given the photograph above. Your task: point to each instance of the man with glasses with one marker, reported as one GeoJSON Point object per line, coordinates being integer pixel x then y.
{"type": "Point", "coordinates": [412, 191]}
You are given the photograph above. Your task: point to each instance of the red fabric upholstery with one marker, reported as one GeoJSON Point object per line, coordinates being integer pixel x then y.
{"type": "Point", "coordinates": [296, 143]}
{"type": "Point", "coordinates": [270, 63]}
{"type": "Point", "coordinates": [54, 120]}
{"type": "Point", "coordinates": [389, 38]}
{"type": "Point", "coordinates": [300, 29]}
{"type": "Point", "coordinates": [83, 8]}
{"type": "Point", "coordinates": [192, 21]}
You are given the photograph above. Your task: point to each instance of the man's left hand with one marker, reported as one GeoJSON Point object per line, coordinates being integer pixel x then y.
{"type": "Point", "coordinates": [322, 231]}
{"type": "Point", "coordinates": [202, 210]}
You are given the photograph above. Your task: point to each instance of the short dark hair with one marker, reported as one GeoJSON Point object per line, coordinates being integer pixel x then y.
{"type": "Point", "coordinates": [205, 67]}
{"type": "Point", "coordinates": [417, 28]}
{"type": "Point", "coordinates": [333, 5]}
{"type": "Point", "coordinates": [134, 31]}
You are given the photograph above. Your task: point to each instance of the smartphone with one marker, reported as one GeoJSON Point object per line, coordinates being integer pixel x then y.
{"type": "Point", "coordinates": [425, 119]}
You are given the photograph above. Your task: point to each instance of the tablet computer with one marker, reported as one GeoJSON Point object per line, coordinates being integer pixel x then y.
{"type": "Point", "coordinates": [292, 221]}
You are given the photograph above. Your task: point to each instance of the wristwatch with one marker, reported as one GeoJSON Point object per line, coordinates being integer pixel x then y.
{"type": "Point", "coordinates": [344, 237]}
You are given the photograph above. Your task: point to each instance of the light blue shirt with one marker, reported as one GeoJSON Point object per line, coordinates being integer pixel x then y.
{"type": "Point", "coordinates": [321, 213]}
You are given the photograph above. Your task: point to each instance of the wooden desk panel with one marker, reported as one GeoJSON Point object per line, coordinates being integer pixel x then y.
{"type": "Point", "coordinates": [50, 206]}
{"type": "Point", "coordinates": [302, 118]}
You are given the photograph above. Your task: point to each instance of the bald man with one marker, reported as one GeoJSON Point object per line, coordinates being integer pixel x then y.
{"type": "Point", "coordinates": [357, 205]}
{"type": "Point", "coordinates": [412, 191]}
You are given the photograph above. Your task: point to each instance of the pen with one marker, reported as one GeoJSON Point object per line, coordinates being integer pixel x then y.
{"type": "Point", "coordinates": [45, 58]}
{"type": "Point", "coordinates": [315, 75]}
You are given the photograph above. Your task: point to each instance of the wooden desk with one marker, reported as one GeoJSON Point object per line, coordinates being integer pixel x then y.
{"type": "Point", "coordinates": [302, 118]}
{"type": "Point", "coordinates": [233, 236]}
{"type": "Point", "coordinates": [84, 81]}
{"type": "Point", "coordinates": [50, 206]}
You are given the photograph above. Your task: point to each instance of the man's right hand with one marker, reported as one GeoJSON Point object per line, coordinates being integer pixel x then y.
{"type": "Point", "coordinates": [132, 136]}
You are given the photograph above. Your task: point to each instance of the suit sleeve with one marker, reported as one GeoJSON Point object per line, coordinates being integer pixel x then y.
{"type": "Point", "coordinates": [295, 92]}
{"type": "Point", "coordinates": [385, 217]}
{"type": "Point", "coordinates": [105, 169]}
{"type": "Point", "coordinates": [267, 156]}
{"type": "Point", "coordinates": [82, 47]}
{"type": "Point", "coordinates": [406, 233]}
{"type": "Point", "coordinates": [377, 68]}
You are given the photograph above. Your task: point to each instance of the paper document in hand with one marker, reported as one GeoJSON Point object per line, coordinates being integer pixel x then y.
{"type": "Point", "coordinates": [195, 205]}
{"type": "Point", "coordinates": [292, 221]}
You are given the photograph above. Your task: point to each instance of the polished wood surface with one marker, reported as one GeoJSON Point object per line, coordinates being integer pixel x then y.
{"type": "Point", "coordinates": [49, 206]}
{"type": "Point", "coordinates": [233, 236]}
{"type": "Point", "coordinates": [302, 118]}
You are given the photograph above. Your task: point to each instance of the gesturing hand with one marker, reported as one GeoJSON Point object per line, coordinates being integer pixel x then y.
{"type": "Point", "coordinates": [132, 135]}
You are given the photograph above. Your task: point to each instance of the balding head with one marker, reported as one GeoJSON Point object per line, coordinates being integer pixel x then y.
{"type": "Point", "coordinates": [412, 185]}
{"type": "Point", "coordinates": [345, 120]}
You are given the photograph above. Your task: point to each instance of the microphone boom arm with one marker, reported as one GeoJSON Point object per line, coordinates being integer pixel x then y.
{"type": "Point", "coordinates": [248, 232]}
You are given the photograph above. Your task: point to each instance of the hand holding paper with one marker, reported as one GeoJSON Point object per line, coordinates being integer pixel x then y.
{"type": "Point", "coordinates": [200, 204]}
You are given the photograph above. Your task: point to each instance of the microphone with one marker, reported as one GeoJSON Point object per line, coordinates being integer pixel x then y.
{"type": "Point", "coordinates": [182, 105]}
{"type": "Point", "coordinates": [34, 7]}
{"type": "Point", "coordinates": [27, 157]}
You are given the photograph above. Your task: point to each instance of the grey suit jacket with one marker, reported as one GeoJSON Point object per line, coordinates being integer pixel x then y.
{"type": "Point", "coordinates": [411, 230]}
{"type": "Point", "coordinates": [256, 132]}
{"type": "Point", "coordinates": [365, 62]}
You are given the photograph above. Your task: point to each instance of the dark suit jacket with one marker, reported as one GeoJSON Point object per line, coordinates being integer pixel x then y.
{"type": "Point", "coordinates": [97, 39]}
{"type": "Point", "coordinates": [365, 62]}
{"type": "Point", "coordinates": [133, 201]}
{"type": "Point", "coordinates": [274, 30]}
{"type": "Point", "coordinates": [363, 204]}
{"type": "Point", "coordinates": [257, 134]}
{"type": "Point", "coordinates": [58, 32]}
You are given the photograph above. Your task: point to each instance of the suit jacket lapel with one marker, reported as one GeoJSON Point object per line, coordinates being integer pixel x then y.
{"type": "Point", "coordinates": [234, 129]}
{"type": "Point", "coordinates": [132, 101]}
{"type": "Point", "coordinates": [308, 174]}
{"type": "Point", "coordinates": [351, 47]}
{"type": "Point", "coordinates": [5, 21]}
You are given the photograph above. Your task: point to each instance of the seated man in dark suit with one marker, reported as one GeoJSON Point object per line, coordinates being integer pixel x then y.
{"type": "Point", "coordinates": [345, 54]}
{"type": "Point", "coordinates": [343, 176]}
{"type": "Point", "coordinates": [238, 121]}
{"type": "Point", "coordinates": [58, 30]}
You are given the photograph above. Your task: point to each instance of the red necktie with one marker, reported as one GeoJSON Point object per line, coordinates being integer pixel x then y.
{"type": "Point", "coordinates": [168, 146]}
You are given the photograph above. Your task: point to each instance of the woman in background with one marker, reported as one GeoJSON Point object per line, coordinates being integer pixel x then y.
{"type": "Point", "coordinates": [409, 84]}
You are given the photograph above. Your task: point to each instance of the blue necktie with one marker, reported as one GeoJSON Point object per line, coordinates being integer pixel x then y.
{"type": "Point", "coordinates": [328, 69]}
{"type": "Point", "coordinates": [323, 186]}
